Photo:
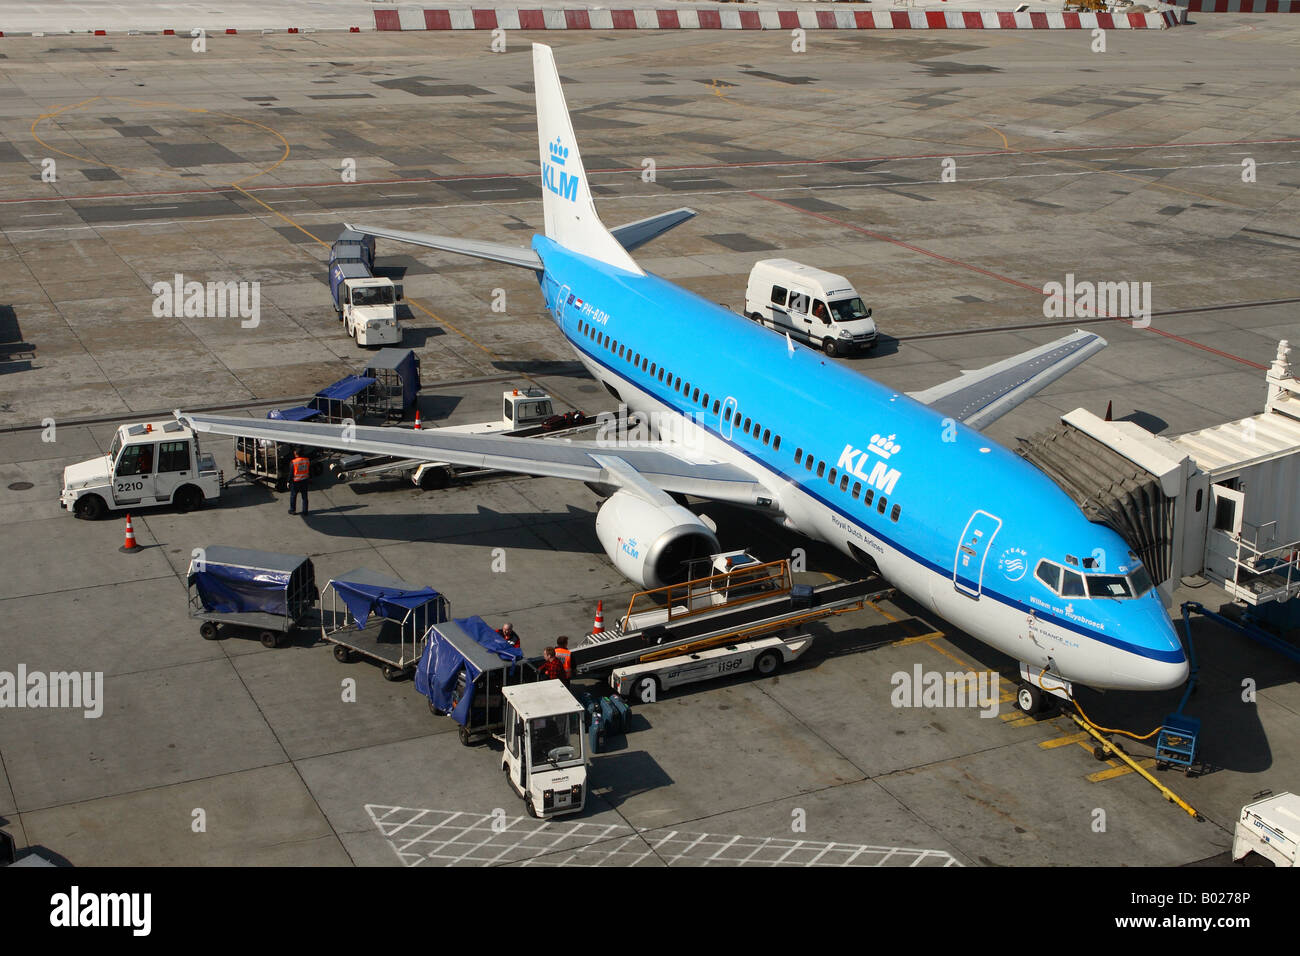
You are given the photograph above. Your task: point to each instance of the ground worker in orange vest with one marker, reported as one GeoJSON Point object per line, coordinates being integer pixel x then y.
{"type": "Point", "coordinates": [301, 473]}
{"type": "Point", "coordinates": [562, 655]}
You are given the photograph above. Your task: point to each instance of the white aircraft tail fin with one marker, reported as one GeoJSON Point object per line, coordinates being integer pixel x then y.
{"type": "Point", "coordinates": [570, 212]}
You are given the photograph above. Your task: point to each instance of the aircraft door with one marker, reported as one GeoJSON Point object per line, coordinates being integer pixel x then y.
{"type": "Point", "coordinates": [972, 550]}
{"type": "Point", "coordinates": [726, 415]}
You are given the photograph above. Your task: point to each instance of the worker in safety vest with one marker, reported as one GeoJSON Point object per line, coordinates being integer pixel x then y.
{"type": "Point", "coordinates": [562, 655]}
{"type": "Point", "coordinates": [301, 472]}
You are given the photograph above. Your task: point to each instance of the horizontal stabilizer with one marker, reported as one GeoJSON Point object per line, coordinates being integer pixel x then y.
{"type": "Point", "coordinates": [478, 248]}
{"type": "Point", "coordinates": [983, 396]}
{"type": "Point", "coordinates": [638, 233]}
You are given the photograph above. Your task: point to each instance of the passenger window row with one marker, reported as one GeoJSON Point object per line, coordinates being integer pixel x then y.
{"type": "Point", "coordinates": [732, 416]}
{"type": "Point", "coordinates": [867, 496]}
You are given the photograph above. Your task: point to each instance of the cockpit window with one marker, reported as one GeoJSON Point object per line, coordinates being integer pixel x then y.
{"type": "Point", "coordinates": [1108, 585]}
{"type": "Point", "coordinates": [1071, 584]}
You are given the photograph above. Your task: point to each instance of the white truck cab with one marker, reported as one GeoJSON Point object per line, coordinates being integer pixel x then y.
{"type": "Point", "coordinates": [520, 408]}
{"type": "Point", "coordinates": [545, 756]}
{"type": "Point", "coordinates": [370, 311]}
{"type": "Point", "coordinates": [150, 463]}
{"type": "Point", "coordinates": [818, 307]}
{"type": "Point", "coordinates": [1269, 826]}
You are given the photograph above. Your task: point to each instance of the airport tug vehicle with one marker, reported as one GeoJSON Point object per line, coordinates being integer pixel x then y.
{"type": "Point", "coordinates": [545, 756]}
{"type": "Point", "coordinates": [150, 463]}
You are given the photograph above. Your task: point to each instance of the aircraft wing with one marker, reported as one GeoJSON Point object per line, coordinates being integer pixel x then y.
{"type": "Point", "coordinates": [520, 256]}
{"type": "Point", "coordinates": [982, 396]}
{"type": "Point", "coordinates": [646, 469]}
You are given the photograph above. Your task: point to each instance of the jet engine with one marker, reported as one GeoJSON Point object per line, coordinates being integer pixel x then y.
{"type": "Point", "coordinates": [650, 544]}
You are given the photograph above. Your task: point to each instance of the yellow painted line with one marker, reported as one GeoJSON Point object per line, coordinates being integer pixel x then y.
{"type": "Point", "coordinates": [1120, 771]}
{"type": "Point", "coordinates": [1063, 741]}
{"type": "Point", "coordinates": [1024, 720]}
{"type": "Point", "coordinates": [919, 639]}
{"type": "Point", "coordinates": [277, 212]}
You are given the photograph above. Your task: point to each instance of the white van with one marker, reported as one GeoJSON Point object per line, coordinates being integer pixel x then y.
{"type": "Point", "coordinates": [821, 308]}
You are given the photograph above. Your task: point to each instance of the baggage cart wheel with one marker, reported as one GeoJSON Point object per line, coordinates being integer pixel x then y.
{"type": "Point", "coordinates": [269, 638]}
{"type": "Point", "coordinates": [393, 673]}
{"type": "Point", "coordinates": [768, 663]}
{"type": "Point", "coordinates": [1099, 753]}
{"type": "Point", "coordinates": [208, 631]}
{"type": "Point", "coordinates": [342, 654]}
{"type": "Point", "coordinates": [463, 734]}
{"type": "Point", "coordinates": [435, 710]}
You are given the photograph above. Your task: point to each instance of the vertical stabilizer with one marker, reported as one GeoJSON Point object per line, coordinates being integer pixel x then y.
{"type": "Point", "coordinates": [571, 218]}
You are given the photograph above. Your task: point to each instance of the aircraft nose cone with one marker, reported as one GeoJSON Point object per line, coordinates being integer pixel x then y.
{"type": "Point", "coordinates": [1167, 667]}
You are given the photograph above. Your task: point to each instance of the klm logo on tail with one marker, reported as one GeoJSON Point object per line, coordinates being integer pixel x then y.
{"type": "Point", "coordinates": [556, 180]}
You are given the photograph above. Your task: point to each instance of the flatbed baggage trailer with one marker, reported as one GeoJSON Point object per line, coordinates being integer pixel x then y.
{"type": "Point", "coordinates": [645, 683]}
{"type": "Point", "coordinates": [382, 619]}
{"type": "Point", "coordinates": [463, 668]}
{"type": "Point", "coordinates": [267, 592]}
{"type": "Point", "coordinates": [272, 462]}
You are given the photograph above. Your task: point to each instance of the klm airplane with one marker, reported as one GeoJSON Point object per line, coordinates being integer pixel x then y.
{"type": "Point", "coordinates": [903, 483]}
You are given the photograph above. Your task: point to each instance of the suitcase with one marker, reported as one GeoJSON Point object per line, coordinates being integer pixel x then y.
{"type": "Point", "coordinates": [622, 714]}
{"type": "Point", "coordinates": [801, 596]}
{"type": "Point", "coordinates": [595, 729]}
{"type": "Point", "coordinates": [608, 716]}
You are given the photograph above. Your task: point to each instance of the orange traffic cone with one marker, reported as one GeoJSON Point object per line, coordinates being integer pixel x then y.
{"type": "Point", "coordinates": [598, 626]}
{"type": "Point", "coordinates": [417, 420]}
{"type": "Point", "coordinates": [129, 546]}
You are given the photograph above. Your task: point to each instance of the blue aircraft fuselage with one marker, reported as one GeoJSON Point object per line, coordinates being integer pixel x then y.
{"type": "Point", "coordinates": [953, 519]}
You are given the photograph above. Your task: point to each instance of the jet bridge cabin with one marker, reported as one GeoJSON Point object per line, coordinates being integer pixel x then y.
{"type": "Point", "coordinates": [1221, 502]}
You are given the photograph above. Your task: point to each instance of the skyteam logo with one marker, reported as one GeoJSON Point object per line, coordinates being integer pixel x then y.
{"type": "Point", "coordinates": [1013, 564]}
{"type": "Point", "coordinates": [553, 176]}
{"type": "Point", "coordinates": [853, 461]}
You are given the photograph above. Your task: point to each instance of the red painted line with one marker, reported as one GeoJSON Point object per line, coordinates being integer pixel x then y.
{"type": "Point", "coordinates": [994, 275]}
{"type": "Point", "coordinates": [623, 169]}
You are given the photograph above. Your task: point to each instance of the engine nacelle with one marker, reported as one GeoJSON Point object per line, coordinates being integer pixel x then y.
{"type": "Point", "coordinates": [650, 544]}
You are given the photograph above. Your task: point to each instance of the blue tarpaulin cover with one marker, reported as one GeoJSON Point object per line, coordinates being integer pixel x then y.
{"type": "Point", "coordinates": [442, 662]}
{"type": "Point", "coordinates": [299, 413]}
{"type": "Point", "coordinates": [362, 600]}
{"type": "Point", "coordinates": [233, 590]}
{"type": "Point", "coordinates": [345, 388]}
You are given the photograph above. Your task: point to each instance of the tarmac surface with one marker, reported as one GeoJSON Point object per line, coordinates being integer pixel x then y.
{"type": "Point", "coordinates": [1118, 166]}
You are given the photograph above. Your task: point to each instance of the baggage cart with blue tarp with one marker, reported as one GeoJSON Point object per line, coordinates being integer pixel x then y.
{"type": "Point", "coordinates": [381, 618]}
{"type": "Point", "coordinates": [397, 381]}
{"type": "Point", "coordinates": [261, 590]}
{"type": "Point", "coordinates": [264, 460]}
{"type": "Point", "coordinates": [349, 399]}
{"type": "Point", "coordinates": [464, 666]}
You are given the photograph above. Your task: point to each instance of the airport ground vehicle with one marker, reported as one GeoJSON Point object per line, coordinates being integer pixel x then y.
{"type": "Point", "coordinates": [149, 463]}
{"type": "Point", "coordinates": [818, 307]}
{"type": "Point", "coordinates": [260, 590]}
{"type": "Point", "coordinates": [645, 683]}
{"type": "Point", "coordinates": [382, 619]}
{"type": "Point", "coordinates": [1269, 826]}
{"type": "Point", "coordinates": [364, 302]}
{"type": "Point", "coordinates": [524, 412]}
{"type": "Point", "coordinates": [545, 756]}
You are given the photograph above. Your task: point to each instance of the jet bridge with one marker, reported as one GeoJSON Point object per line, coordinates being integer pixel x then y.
{"type": "Point", "coordinates": [1223, 502]}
